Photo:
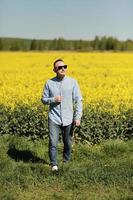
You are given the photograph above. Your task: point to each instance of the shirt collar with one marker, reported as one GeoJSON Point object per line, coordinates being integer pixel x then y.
{"type": "Point", "coordinates": [59, 80]}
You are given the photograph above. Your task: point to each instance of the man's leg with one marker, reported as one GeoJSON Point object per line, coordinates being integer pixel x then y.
{"type": "Point", "coordinates": [54, 130]}
{"type": "Point", "coordinates": [67, 132]}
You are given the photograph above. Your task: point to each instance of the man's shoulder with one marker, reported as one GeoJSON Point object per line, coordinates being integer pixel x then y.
{"type": "Point", "coordinates": [51, 80]}
{"type": "Point", "coordinates": [70, 78]}
{"type": "Point", "coordinates": [54, 79]}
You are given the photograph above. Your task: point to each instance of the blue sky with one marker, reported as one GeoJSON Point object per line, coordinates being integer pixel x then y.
{"type": "Point", "coordinates": [70, 19]}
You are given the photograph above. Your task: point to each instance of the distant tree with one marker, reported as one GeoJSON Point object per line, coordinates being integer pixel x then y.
{"type": "Point", "coordinates": [1, 45]}
{"type": "Point", "coordinates": [129, 45]}
{"type": "Point", "coordinates": [53, 44]}
{"type": "Point", "coordinates": [80, 44]}
{"type": "Point", "coordinates": [102, 43]}
{"type": "Point", "coordinates": [96, 43]}
{"type": "Point", "coordinates": [76, 44]}
{"type": "Point", "coordinates": [33, 45]}
{"type": "Point", "coordinates": [111, 43]}
{"type": "Point", "coordinates": [40, 46]}
{"type": "Point", "coordinates": [14, 46]}
{"type": "Point", "coordinates": [118, 45]}
{"type": "Point", "coordinates": [99, 43]}
{"type": "Point", "coordinates": [60, 44]}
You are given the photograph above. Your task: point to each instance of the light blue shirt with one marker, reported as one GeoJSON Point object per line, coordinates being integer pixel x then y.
{"type": "Point", "coordinates": [70, 108]}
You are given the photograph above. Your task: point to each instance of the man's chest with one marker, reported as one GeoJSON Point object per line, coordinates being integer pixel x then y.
{"type": "Point", "coordinates": [61, 89]}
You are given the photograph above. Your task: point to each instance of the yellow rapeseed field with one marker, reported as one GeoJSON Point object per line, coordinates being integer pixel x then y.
{"type": "Point", "coordinates": [104, 78]}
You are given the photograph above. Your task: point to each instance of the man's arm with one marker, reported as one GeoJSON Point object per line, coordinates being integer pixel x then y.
{"type": "Point", "coordinates": [77, 99]}
{"type": "Point", "coordinates": [46, 99]}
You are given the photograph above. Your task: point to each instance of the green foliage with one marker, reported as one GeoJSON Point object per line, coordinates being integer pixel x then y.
{"type": "Point", "coordinates": [1, 45]}
{"type": "Point", "coordinates": [101, 172]}
{"type": "Point", "coordinates": [99, 43]}
{"type": "Point", "coordinates": [33, 45]}
{"type": "Point", "coordinates": [96, 126]}
{"type": "Point", "coordinates": [24, 120]}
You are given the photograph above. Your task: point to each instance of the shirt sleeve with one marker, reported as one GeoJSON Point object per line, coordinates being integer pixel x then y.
{"type": "Point", "coordinates": [46, 99]}
{"type": "Point", "coordinates": [77, 99]}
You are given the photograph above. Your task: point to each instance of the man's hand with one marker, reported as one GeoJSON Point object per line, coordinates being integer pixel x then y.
{"type": "Point", "coordinates": [77, 122]}
{"type": "Point", "coordinates": [58, 99]}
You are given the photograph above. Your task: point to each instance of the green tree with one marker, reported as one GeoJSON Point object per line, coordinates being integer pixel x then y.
{"type": "Point", "coordinates": [60, 44]}
{"type": "Point", "coordinates": [1, 45]}
{"type": "Point", "coordinates": [14, 46]}
{"type": "Point", "coordinates": [33, 45]}
{"type": "Point", "coordinates": [102, 43]}
{"type": "Point", "coordinates": [96, 43]}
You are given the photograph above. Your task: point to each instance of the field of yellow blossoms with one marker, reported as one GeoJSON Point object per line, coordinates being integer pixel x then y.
{"type": "Point", "coordinates": [106, 83]}
{"type": "Point", "coordinates": [103, 77]}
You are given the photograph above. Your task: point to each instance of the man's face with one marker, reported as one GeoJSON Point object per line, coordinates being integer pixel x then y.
{"type": "Point", "coordinates": [60, 68]}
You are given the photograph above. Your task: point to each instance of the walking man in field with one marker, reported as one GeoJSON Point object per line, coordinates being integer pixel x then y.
{"type": "Point", "coordinates": [62, 94]}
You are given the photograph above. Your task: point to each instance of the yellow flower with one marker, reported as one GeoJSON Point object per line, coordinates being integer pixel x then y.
{"type": "Point", "coordinates": [104, 78]}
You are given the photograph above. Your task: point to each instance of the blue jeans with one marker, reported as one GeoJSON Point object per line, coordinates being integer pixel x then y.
{"type": "Point", "coordinates": [54, 130]}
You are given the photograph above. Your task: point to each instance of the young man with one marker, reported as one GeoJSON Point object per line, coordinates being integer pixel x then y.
{"type": "Point", "coordinates": [63, 96]}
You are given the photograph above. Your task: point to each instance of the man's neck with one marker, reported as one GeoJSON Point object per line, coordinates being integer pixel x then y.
{"type": "Point", "coordinates": [60, 77]}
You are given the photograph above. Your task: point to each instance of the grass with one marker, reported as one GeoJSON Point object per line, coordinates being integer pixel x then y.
{"type": "Point", "coordinates": [103, 172]}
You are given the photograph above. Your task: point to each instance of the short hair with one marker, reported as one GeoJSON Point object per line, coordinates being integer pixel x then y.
{"type": "Point", "coordinates": [57, 61]}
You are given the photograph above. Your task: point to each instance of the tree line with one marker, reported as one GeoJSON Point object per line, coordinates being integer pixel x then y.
{"type": "Point", "coordinates": [97, 44]}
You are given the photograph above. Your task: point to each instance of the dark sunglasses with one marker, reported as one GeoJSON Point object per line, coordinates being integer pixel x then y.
{"type": "Point", "coordinates": [61, 67]}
